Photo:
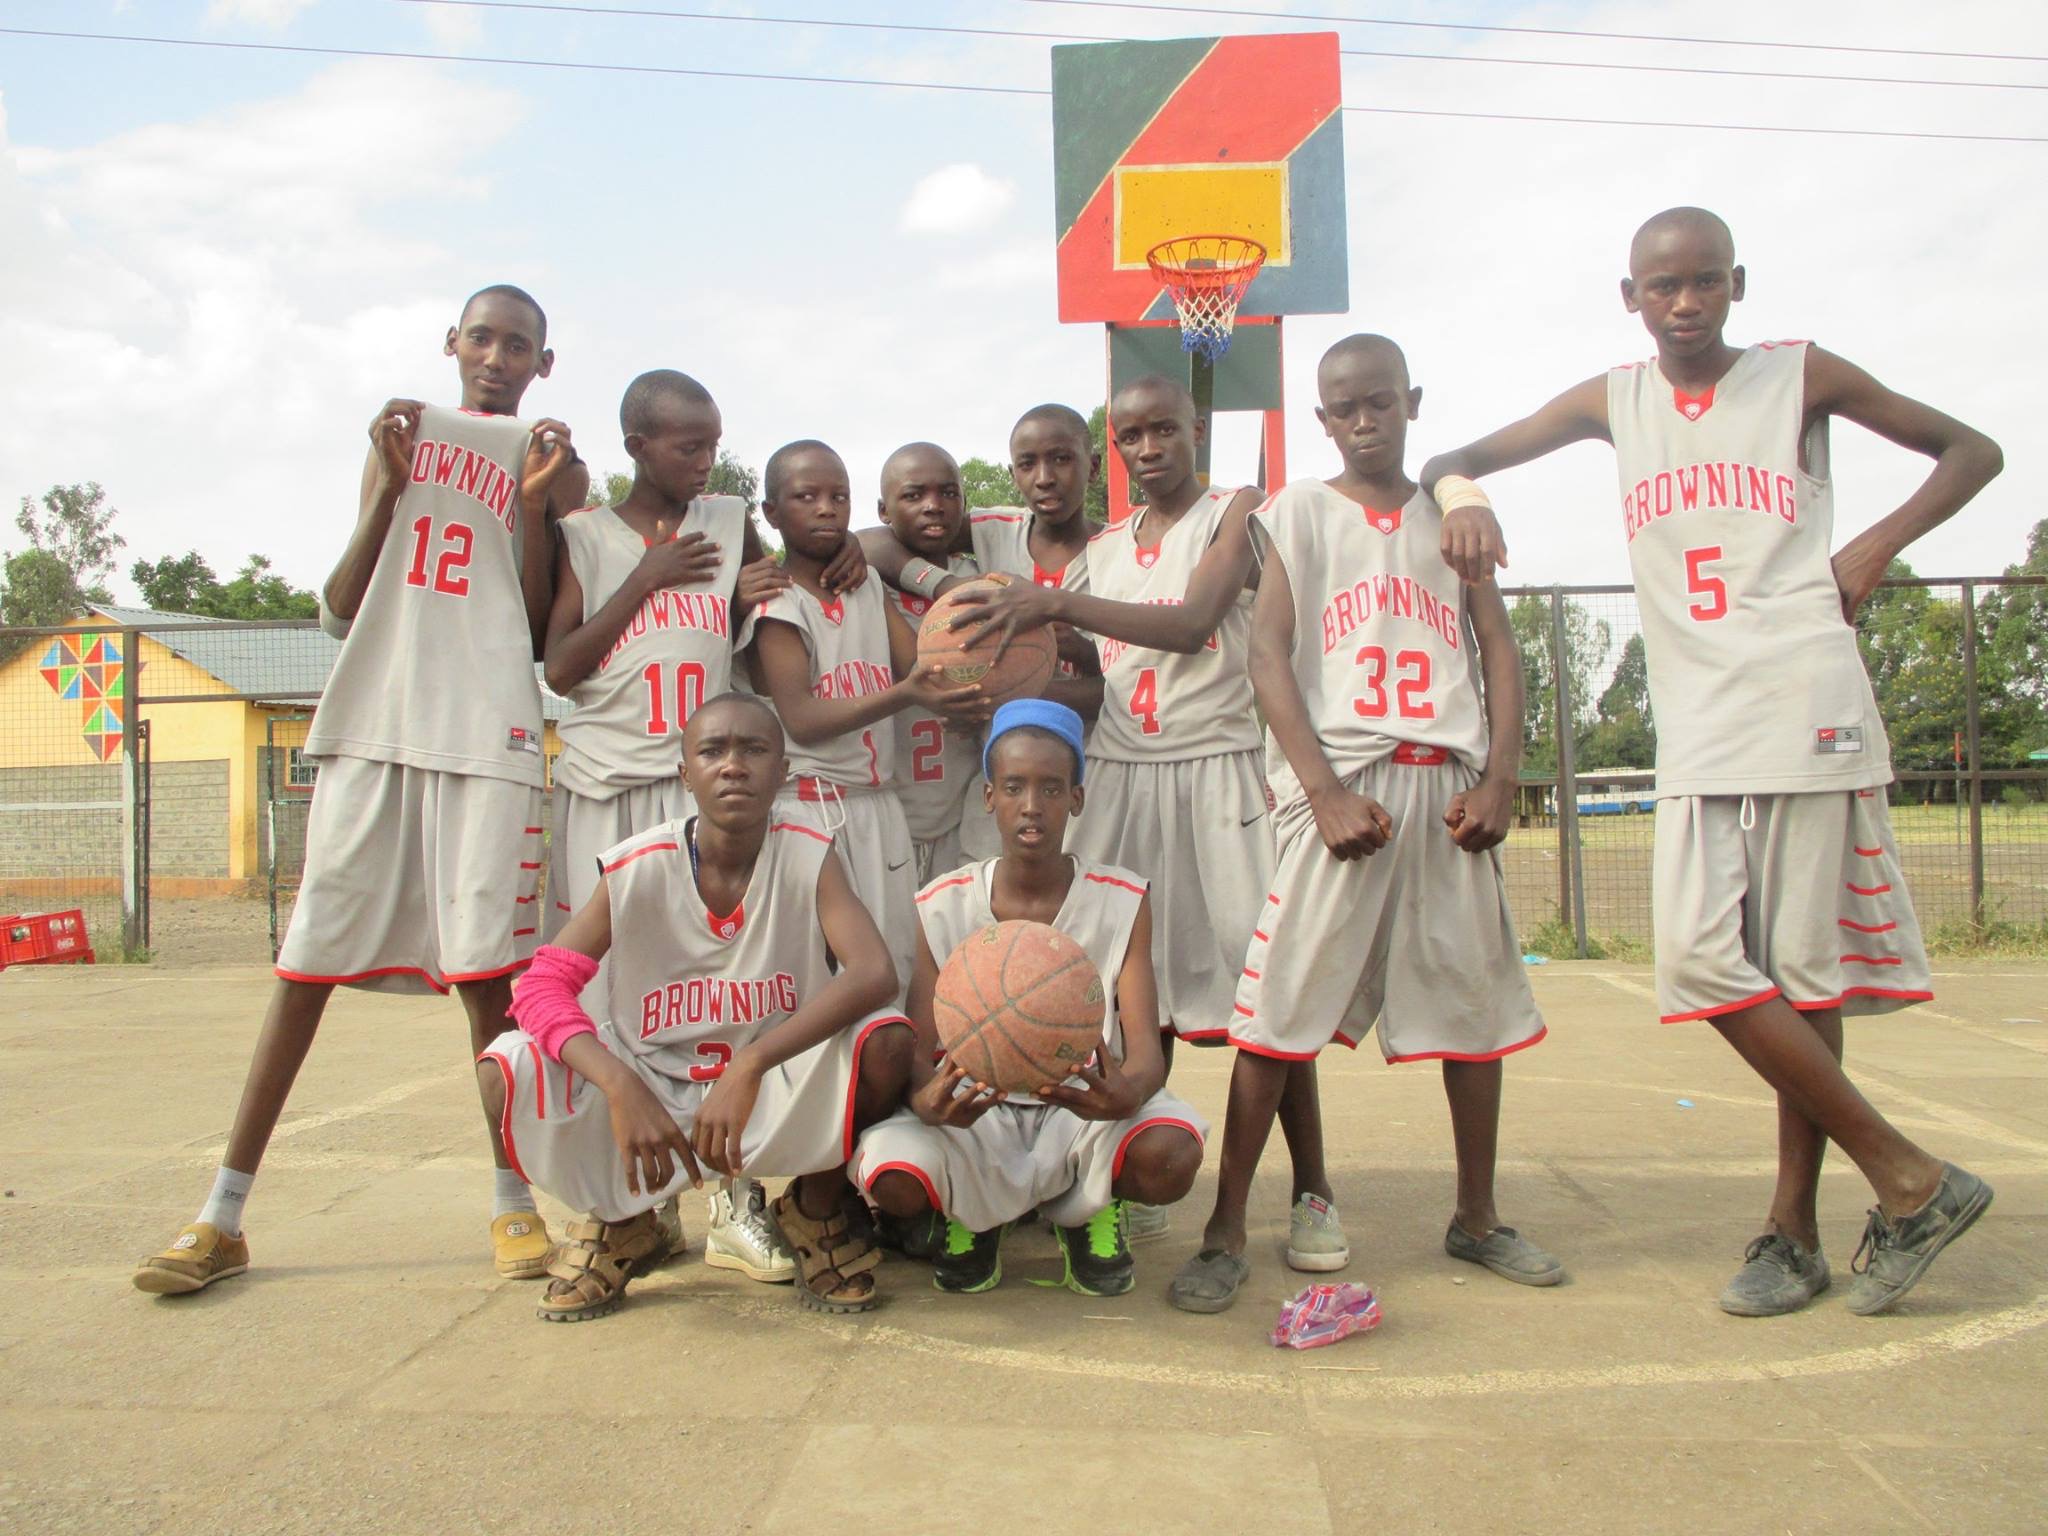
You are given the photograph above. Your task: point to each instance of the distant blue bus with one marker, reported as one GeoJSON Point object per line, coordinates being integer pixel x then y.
{"type": "Point", "coordinates": [1618, 792]}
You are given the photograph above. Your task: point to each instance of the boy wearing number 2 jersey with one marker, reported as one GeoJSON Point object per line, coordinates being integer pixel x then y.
{"type": "Point", "coordinates": [423, 844]}
{"type": "Point", "coordinates": [1394, 781]}
{"type": "Point", "coordinates": [1779, 901]}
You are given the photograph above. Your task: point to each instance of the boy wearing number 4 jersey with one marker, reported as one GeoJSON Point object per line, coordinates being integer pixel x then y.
{"type": "Point", "coordinates": [640, 635]}
{"type": "Point", "coordinates": [1780, 905]}
{"type": "Point", "coordinates": [423, 847]}
{"type": "Point", "coordinates": [1395, 782]}
{"type": "Point", "coordinates": [837, 666]}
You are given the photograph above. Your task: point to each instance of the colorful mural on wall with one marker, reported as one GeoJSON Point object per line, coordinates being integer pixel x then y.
{"type": "Point", "coordinates": [89, 668]}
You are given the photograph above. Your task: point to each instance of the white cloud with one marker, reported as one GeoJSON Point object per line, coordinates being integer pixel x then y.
{"type": "Point", "coordinates": [452, 26]}
{"type": "Point", "coordinates": [264, 13]}
{"type": "Point", "coordinates": [954, 199]}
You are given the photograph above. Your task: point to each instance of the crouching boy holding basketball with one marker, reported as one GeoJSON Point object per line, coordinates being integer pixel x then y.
{"type": "Point", "coordinates": [1078, 1149]}
{"type": "Point", "coordinates": [1388, 906]}
{"type": "Point", "coordinates": [743, 1034]}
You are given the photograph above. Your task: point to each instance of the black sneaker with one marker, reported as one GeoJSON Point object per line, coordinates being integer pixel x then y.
{"type": "Point", "coordinates": [1098, 1253]}
{"type": "Point", "coordinates": [968, 1262]}
{"type": "Point", "coordinates": [1895, 1254]}
{"type": "Point", "coordinates": [920, 1237]}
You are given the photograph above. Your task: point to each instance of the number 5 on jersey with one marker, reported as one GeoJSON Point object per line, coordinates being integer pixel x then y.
{"type": "Point", "coordinates": [1710, 593]}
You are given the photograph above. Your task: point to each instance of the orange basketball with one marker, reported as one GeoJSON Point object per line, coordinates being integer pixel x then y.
{"type": "Point", "coordinates": [1025, 669]}
{"type": "Point", "coordinates": [1019, 1005]}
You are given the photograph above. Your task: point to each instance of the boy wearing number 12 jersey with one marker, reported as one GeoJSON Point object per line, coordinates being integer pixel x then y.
{"type": "Point", "coordinates": [1395, 782]}
{"type": "Point", "coordinates": [1779, 900]}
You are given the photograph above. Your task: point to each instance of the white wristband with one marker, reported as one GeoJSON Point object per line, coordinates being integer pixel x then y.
{"type": "Point", "coordinates": [1455, 491]}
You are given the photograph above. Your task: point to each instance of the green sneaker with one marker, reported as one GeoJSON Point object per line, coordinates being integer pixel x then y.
{"type": "Point", "coordinates": [968, 1262]}
{"type": "Point", "coordinates": [1098, 1254]}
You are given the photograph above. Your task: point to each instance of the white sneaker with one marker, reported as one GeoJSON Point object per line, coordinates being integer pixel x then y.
{"type": "Point", "coordinates": [743, 1238]}
{"type": "Point", "coordinates": [1315, 1237]}
{"type": "Point", "coordinates": [1142, 1222]}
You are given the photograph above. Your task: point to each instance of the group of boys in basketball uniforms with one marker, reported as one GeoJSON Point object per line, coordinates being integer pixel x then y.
{"type": "Point", "coordinates": [1264, 791]}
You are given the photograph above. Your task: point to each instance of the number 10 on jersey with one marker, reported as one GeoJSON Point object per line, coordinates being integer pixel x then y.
{"type": "Point", "coordinates": [670, 708]}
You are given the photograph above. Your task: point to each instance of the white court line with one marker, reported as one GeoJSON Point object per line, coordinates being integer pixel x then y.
{"type": "Point", "coordinates": [1972, 1334]}
{"type": "Point", "coordinates": [398, 1093]}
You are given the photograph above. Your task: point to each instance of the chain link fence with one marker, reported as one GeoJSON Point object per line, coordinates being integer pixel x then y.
{"type": "Point", "coordinates": [152, 777]}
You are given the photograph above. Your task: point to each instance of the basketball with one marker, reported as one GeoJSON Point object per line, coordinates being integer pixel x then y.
{"type": "Point", "coordinates": [1026, 667]}
{"type": "Point", "coordinates": [1019, 1005]}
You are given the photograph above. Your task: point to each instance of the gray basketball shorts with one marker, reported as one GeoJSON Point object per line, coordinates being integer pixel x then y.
{"type": "Point", "coordinates": [1015, 1158]}
{"type": "Point", "coordinates": [416, 879]}
{"type": "Point", "coordinates": [558, 1128]}
{"type": "Point", "coordinates": [1201, 830]}
{"type": "Point", "coordinates": [1796, 896]}
{"type": "Point", "coordinates": [1416, 940]}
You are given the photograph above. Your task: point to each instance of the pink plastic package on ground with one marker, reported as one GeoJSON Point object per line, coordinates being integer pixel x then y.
{"type": "Point", "coordinates": [1323, 1314]}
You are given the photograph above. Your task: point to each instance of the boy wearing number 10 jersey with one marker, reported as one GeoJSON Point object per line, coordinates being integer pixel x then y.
{"type": "Point", "coordinates": [1779, 900]}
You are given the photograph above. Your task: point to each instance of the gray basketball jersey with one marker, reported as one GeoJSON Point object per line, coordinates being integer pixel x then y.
{"type": "Point", "coordinates": [437, 667]}
{"type": "Point", "coordinates": [1002, 542]}
{"type": "Point", "coordinates": [934, 766]}
{"type": "Point", "coordinates": [1755, 679]}
{"type": "Point", "coordinates": [848, 643]}
{"type": "Point", "coordinates": [625, 722]}
{"type": "Point", "coordinates": [689, 987]}
{"type": "Point", "coordinates": [1383, 652]}
{"type": "Point", "coordinates": [1100, 909]}
{"type": "Point", "coordinates": [1161, 704]}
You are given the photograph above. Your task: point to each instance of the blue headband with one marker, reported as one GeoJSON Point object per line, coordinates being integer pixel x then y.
{"type": "Point", "coordinates": [1042, 713]}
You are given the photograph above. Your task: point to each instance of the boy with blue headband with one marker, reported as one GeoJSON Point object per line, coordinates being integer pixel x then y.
{"type": "Point", "coordinates": [1078, 1150]}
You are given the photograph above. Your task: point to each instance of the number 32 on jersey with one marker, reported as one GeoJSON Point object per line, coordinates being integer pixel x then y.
{"type": "Point", "coordinates": [1411, 680]}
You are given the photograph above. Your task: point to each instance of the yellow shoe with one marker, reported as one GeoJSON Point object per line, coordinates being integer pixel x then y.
{"type": "Point", "coordinates": [201, 1255]}
{"type": "Point", "coordinates": [520, 1245]}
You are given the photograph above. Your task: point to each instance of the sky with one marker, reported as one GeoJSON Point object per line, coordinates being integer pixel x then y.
{"type": "Point", "coordinates": [218, 263]}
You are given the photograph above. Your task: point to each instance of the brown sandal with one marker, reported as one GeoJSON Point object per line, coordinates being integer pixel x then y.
{"type": "Point", "coordinates": [592, 1265]}
{"type": "Point", "coordinates": [834, 1263]}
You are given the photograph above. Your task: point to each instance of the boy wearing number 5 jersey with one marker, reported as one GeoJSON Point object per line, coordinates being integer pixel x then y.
{"type": "Point", "coordinates": [1394, 781]}
{"type": "Point", "coordinates": [423, 844]}
{"type": "Point", "coordinates": [1780, 905]}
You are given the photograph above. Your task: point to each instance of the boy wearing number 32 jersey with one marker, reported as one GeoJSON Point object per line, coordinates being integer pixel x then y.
{"type": "Point", "coordinates": [1779, 900]}
{"type": "Point", "coordinates": [1394, 782]}
{"type": "Point", "coordinates": [423, 843]}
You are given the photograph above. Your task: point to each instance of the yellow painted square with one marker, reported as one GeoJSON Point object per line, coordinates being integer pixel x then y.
{"type": "Point", "coordinates": [1159, 202]}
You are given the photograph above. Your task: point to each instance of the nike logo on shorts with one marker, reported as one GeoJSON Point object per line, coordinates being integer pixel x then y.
{"type": "Point", "coordinates": [1247, 821]}
{"type": "Point", "coordinates": [897, 865]}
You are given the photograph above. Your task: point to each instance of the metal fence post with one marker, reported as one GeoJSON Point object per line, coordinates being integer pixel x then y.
{"type": "Point", "coordinates": [1567, 776]}
{"type": "Point", "coordinates": [1971, 724]}
{"type": "Point", "coordinates": [132, 938]}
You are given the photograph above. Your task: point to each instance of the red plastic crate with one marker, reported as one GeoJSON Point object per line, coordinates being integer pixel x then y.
{"type": "Point", "coordinates": [48, 938]}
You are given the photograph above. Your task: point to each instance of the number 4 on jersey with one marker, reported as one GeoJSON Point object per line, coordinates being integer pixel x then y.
{"type": "Point", "coordinates": [1145, 701]}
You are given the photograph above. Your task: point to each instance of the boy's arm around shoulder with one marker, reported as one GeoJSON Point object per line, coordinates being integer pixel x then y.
{"type": "Point", "coordinates": [1472, 541]}
{"type": "Point", "coordinates": [1965, 461]}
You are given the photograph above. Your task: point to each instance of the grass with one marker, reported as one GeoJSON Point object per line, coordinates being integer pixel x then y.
{"type": "Point", "coordinates": [1555, 941]}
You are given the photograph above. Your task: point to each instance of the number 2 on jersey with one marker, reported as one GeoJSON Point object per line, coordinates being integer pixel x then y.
{"type": "Point", "coordinates": [458, 542]}
{"type": "Point", "coordinates": [1411, 687]}
{"type": "Point", "coordinates": [1145, 701]}
{"type": "Point", "coordinates": [672, 711]}
{"type": "Point", "coordinates": [927, 751]}
{"type": "Point", "coordinates": [1710, 592]}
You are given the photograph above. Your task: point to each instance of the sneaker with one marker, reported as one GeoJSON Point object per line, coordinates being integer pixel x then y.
{"type": "Point", "coordinates": [1145, 1222]}
{"type": "Point", "coordinates": [1895, 1254]}
{"type": "Point", "coordinates": [1098, 1254]}
{"type": "Point", "coordinates": [1507, 1253]}
{"type": "Point", "coordinates": [1209, 1282]}
{"type": "Point", "coordinates": [919, 1238]}
{"type": "Point", "coordinates": [1315, 1237]}
{"type": "Point", "coordinates": [1777, 1276]}
{"type": "Point", "coordinates": [520, 1245]}
{"type": "Point", "coordinates": [969, 1262]}
{"type": "Point", "coordinates": [200, 1255]}
{"type": "Point", "coordinates": [743, 1238]}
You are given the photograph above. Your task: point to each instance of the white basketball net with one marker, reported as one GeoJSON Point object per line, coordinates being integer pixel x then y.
{"type": "Point", "coordinates": [1207, 275]}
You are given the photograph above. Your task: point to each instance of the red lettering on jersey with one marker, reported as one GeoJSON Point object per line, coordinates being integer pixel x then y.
{"type": "Point", "coordinates": [452, 466]}
{"type": "Point", "coordinates": [708, 612]}
{"type": "Point", "coordinates": [852, 680]}
{"type": "Point", "coordinates": [714, 1001]}
{"type": "Point", "coordinates": [1710, 486]}
{"type": "Point", "coordinates": [1400, 597]}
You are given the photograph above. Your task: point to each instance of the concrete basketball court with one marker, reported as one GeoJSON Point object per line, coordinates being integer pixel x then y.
{"type": "Point", "coordinates": [372, 1373]}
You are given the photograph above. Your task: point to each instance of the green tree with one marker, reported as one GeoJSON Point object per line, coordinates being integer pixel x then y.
{"type": "Point", "coordinates": [1587, 641]}
{"type": "Point", "coordinates": [187, 584]}
{"type": "Point", "coordinates": [76, 528]}
{"type": "Point", "coordinates": [2015, 622]}
{"type": "Point", "coordinates": [729, 477]}
{"type": "Point", "coordinates": [1098, 488]}
{"type": "Point", "coordinates": [1623, 735]}
{"type": "Point", "coordinates": [985, 484]}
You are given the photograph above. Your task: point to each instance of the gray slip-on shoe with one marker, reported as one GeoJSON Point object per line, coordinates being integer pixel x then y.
{"type": "Point", "coordinates": [1209, 1281]}
{"type": "Point", "coordinates": [1895, 1254]}
{"type": "Point", "coordinates": [1507, 1253]}
{"type": "Point", "coordinates": [1777, 1276]}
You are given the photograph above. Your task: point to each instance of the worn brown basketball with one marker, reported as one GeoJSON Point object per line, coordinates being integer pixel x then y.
{"type": "Point", "coordinates": [1019, 1005]}
{"type": "Point", "coordinates": [1025, 668]}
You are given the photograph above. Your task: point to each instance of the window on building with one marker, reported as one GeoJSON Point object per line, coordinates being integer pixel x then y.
{"type": "Point", "coordinates": [299, 772]}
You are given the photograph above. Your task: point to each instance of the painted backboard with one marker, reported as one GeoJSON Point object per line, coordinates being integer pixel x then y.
{"type": "Point", "coordinates": [1199, 136]}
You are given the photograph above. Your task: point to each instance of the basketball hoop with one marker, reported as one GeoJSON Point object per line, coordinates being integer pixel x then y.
{"type": "Point", "coordinates": [1207, 276]}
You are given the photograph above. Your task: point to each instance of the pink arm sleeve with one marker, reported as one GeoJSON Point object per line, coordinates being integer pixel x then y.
{"type": "Point", "coordinates": [544, 1000]}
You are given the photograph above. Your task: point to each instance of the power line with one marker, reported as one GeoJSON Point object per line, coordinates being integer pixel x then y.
{"type": "Point", "coordinates": [1474, 26]}
{"type": "Point", "coordinates": [1012, 33]}
{"type": "Point", "coordinates": [954, 85]}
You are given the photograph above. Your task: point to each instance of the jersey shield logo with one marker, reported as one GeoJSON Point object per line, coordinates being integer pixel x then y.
{"type": "Point", "coordinates": [1693, 407]}
{"type": "Point", "coordinates": [1384, 522]}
